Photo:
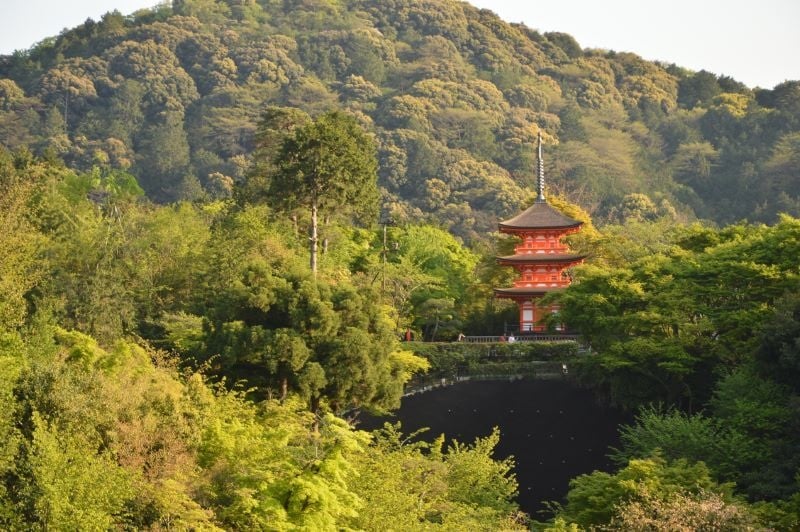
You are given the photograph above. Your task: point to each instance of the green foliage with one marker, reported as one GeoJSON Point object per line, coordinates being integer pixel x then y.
{"type": "Point", "coordinates": [666, 322]}
{"type": "Point", "coordinates": [761, 418]}
{"type": "Point", "coordinates": [449, 99]}
{"type": "Point", "coordinates": [672, 433]}
{"type": "Point", "coordinates": [219, 285]}
{"type": "Point", "coordinates": [269, 467]}
{"type": "Point", "coordinates": [118, 264]}
{"type": "Point", "coordinates": [448, 359]}
{"type": "Point", "coordinates": [778, 355]}
{"type": "Point", "coordinates": [477, 480]}
{"type": "Point", "coordinates": [594, 500]}
{"type": "Point", "coordinates": [327, 166]}
{"type": "Point", "coordinates": [257, 315]}
{"type": "Point", "coordinates": [327, 163]}
{"type": "Point", "coordinates": [275, 127]}
{"type": "Point", "coordinates": [698, 89]}
{"type": "Point", "coordinates": [101, 437]}
{"type": "Point", "coordinates": [21, 268]}
{"type": "Point", "coordinates": [423, 487]}
{"type": "Point", "coordinates": [74, 485]}
{"type": "Point", "coordinates": [706, 318]}
{"type": "Point", "coordinates": [106, 437]}
{"type": "Point", "coordinates": [726, 449]}
{"type": "Point", "coordinates": [429, 276]}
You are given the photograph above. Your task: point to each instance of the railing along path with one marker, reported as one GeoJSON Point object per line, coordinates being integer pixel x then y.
{"type": "Point", "coordinates": [523, 338]}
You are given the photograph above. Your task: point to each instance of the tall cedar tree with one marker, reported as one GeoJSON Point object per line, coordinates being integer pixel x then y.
{"type": "Point", "coordinates": [328, 163]}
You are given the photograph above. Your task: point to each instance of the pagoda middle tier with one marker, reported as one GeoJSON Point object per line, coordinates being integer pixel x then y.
{"type": "Point", "coordinates": [541, 257]}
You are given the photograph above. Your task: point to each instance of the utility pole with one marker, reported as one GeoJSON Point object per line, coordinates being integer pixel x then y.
{"type": "Point", "coordinates": [387, 222]}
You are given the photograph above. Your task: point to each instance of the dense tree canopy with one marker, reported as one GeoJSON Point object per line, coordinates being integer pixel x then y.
{"type": "Point", "coordinates": [698, 330]}
{"type": "Point", "coordinates": [179, 366]}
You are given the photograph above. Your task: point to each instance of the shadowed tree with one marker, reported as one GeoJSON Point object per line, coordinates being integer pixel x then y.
{"type": "Point", "coordinates": [329, 163]}
{"type": "Point", "coordinates": [276, 125]}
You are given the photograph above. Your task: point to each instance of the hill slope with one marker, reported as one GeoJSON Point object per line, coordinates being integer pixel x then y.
{"type": "Point", "coordinates": [454, 95]}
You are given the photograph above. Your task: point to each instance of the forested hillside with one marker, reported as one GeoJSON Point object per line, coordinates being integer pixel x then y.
{"type": "Point", "coordinates": [453, 95]}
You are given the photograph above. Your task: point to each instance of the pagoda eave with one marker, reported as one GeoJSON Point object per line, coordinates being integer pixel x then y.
{"type": "Point", "coordinates": [564, 259]}
{"type": "Point", "coordinates": [524, 229]}
{"type": "Point", "coordinates": [539, 216]}
{"type": "Point", "coordinates": [525, 292]}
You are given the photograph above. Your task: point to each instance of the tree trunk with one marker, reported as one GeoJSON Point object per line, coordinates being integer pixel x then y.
{"type": "Point", "coordinates": [315, 402]}
{"type": "Point", "coordinates": [435, 329]}
{"type": "Point", "coordinates": [314, 238]}
{"type": "Point", "coordinates": [284, 389]}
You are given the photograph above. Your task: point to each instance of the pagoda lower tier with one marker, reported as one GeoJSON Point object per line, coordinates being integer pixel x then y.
{"type": "Point", "coordinates": [538, 273]}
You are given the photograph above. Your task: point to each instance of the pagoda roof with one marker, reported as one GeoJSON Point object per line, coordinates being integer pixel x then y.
{"type": "Point", "coordinates": [526, 291]}
{"type": "Point", "coordinates": [541, 257]}
{"type": "Point", "coordinates": [540, 215]}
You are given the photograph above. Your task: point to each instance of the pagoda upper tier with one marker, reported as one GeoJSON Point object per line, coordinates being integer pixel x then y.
{"type": "Point", "coordinates": [538, 216]}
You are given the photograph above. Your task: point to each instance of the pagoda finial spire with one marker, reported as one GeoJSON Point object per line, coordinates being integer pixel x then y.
{"type": "Point", "coordinates": [540, 174]}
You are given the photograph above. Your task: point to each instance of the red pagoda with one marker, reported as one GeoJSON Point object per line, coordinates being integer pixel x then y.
{"type": "Point", "coordinates": [541, 258]}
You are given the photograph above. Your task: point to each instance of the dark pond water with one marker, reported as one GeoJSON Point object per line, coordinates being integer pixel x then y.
{"type": "Point", "coordinates": [554, 430]}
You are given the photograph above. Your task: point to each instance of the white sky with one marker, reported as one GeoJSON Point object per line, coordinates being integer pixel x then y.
{"type": "Point", "coordinates": [23, 23]}
{"type": "Point", "coordinates": [757, 43]}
